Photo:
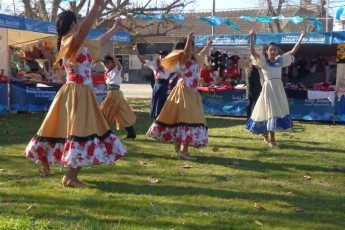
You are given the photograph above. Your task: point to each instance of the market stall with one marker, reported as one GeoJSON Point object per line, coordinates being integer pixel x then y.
{"type": "Point", "coordinates": [24, 89]}
{"type": "Point", "coordinates": [312, 94]}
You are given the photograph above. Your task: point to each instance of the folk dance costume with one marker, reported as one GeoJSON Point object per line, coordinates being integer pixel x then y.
{"type": "Point", "coordinates": [114, 107]}
{"type": "Point", "coordinates": [74, 133]}
{"type": "Point", "coordinates": [160, 88]}
{"type": "Point", "coordinates": [182, 119]}
{"type": "Point", "coordinates": [271, 111]}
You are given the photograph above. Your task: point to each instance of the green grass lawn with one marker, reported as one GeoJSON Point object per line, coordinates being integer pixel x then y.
{"type": "Point", "coordinates": [301, 185]}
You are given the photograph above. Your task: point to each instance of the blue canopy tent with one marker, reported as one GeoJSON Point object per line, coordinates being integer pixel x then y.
{"type": "Point", "coordinates": [279, 38]}
{"type": "Point", "coordinates": [16, 30]}
{"type": "Point", "coordinates": [311, 105]}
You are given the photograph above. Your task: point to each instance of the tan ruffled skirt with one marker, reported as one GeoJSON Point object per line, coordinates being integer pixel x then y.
{"type": "Point", "coordinates": [117, 111]}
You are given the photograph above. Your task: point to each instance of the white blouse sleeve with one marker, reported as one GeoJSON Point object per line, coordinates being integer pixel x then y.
{"type": "Point", "coordinates": [288, 59]}
{"type": "Point", "coordinates": [260, 62]}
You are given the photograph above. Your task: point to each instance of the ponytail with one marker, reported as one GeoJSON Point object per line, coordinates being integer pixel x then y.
{"type": "Point", "coordinates": [63, 24]}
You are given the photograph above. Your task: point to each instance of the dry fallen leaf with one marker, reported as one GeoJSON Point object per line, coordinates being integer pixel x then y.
{"type": "Point", "coordinates": [307, 177]}
{"type": "Point", "coordinates": [215, 149]}
{"type": "Point", "coordinates": [3, 170]}
{"type": "Point", "coordinates": [298, 209]}
{"type": "Point", "coordinates": [181, 172]}
{"type": "Point", "coordinates": [152, 180]}
{"type": "Point", "coordinates": [259, 206]}
{"type": "Point", "coordinates": [110, 197]}
{"type": "Point", "coordinates": [187, 166]}
{"type": "Point", "coordinates": [143, 163]}
{"type": "Point", "coordinates": [31, 206]}
{"type": "Point", "coordinates": [258, 222]}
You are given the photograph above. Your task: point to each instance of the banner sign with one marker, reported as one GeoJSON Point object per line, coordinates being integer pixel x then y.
{"type": "Point", "coordinates": [3, 97]}
{"type": "Point", "coordinates": [30, 97]}
{"type": "Point", "coordinates": [100, 91]}
{"type": "Point", "coordinates": [20, 23]}
{"type": "Point", "coordinates": [13, 22]}
{"type": "Point", "coordinates": [338, 37]}
{"type": "Point", "coordinates": [40, 26]}
{"type": "Point", "coordinates": [264, 39]}
{"type": "Point", "coordinates": [311, 109]}
{"type": "Point", "coordinates": [226, 103]}
{"type": "Point", "coordinates": [120, 36]}
{"type": "Point", "coordinates": [223, 40]}
{"type": "Point", "coordinates": [33, 97]}
{"type": "Point", "coordinates": [234, 102]}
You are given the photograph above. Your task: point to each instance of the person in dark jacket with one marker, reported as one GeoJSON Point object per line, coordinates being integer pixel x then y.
{"type": "Point", "coordinates": [253, 88]}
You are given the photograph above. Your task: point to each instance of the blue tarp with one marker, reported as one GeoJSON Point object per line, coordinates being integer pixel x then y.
{"type": "Point", "coordinates": [20, 23]}
{"type": "Point", "coordinates": [279, 38]}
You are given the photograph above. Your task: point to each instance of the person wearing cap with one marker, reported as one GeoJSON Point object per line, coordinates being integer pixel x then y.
{"type": "Point", "coordinates": [161, 76]}
{"type": "Point", "coordinates": [114, 107]}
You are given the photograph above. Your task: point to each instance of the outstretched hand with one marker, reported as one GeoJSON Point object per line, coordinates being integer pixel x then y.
{"type": "Point", "coordinates": [118, 22]}
{"type": "Point", "coordinates": [303, 32]}
{"type": "Point", "coordinates": [209, 41]}
{"type": "Point", "coordinates": [191, 36]}
{"type": "Point", "coordinates": [135, 47]}
{"type": "Point", "coordinates": [252, 33]}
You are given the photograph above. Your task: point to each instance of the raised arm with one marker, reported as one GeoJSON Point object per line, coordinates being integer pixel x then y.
{"type": "Point", "coordinates": [189, 45]}
{"type": "Point", "coordinates": [135, 49]}
{"type": "Point", "coordinates": [206, 48]}
{"type": "Point", "coordinates": [252, 45]}
{"type": "Point", "coordinates": [117, 62]}
{"type": "Point", "coordinates": [86, 24]}
{"type": "Point", "coordinates": [107, 35]}
{"type": "Point", "coordinates": [298, 43]}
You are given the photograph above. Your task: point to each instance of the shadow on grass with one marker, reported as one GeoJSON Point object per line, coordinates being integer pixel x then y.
{"type": "Point", "coordinates": [149, 213]}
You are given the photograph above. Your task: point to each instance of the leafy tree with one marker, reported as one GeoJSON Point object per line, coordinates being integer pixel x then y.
{"type": "Point", "coordinates": [48, 10]}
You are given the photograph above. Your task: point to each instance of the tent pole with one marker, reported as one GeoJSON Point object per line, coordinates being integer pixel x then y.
{"type": "Point", "coordinates": [327, 14]}
{"type": "Point", "coordinates": [213, 14]}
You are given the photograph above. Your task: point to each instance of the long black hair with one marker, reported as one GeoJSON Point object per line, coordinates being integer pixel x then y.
{"type": "Point", "coordinates": [63, 24]}
{"type": "Point", "coordinates": [181, 45]}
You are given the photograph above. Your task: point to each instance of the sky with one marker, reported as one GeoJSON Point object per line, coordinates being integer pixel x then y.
{"type": "Point", "coordinates": [207, 5]}
{"type": "Point", "coordinates": [223, 4]}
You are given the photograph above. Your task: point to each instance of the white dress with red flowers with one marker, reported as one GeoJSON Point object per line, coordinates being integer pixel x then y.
{"type": "Point", "coordinates": [182, 119]}
{"type": "Point", "coordinates": [75, 133]}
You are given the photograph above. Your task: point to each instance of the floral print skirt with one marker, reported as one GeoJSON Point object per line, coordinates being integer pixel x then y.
{"type": "Point", "coordinates": [182, 119]}
{"type": "Point", "coordinates": [74, 132]}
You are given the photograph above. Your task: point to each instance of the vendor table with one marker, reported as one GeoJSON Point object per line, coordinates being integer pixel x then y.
{"type": "Point", "coordinates": [33, 96]}
{"type": "Point", "coordinates": [304, 104]}
{"type": "Point", "coordinates": [3, 97]}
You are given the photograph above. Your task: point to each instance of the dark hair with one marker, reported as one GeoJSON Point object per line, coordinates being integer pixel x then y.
{"type": "Point", "coordinates": [267, 46]}
{"type": "Point", "coordinates": [181, 44]}
{"type": "Point", "coordinates": [63, 24]}
{"type": "Point", "coordinates": [108, 58]}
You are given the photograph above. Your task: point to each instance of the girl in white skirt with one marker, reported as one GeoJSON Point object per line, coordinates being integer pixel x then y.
{"type": "Point", "coordinates": [271, 111]}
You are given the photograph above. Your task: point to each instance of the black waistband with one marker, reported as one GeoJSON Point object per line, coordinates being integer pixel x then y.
{"type": "Point", "coordinates": [113, 87]}
{"type": "Point", "coordinates": [161, 81]}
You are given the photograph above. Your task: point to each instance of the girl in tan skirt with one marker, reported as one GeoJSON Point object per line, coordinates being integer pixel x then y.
{"type": "Point", "coordinates": [74, 133]}
{"type": "Point", "coordinates": [182, 120]}
{"type": "Point", "coordinates": [114, 107]}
